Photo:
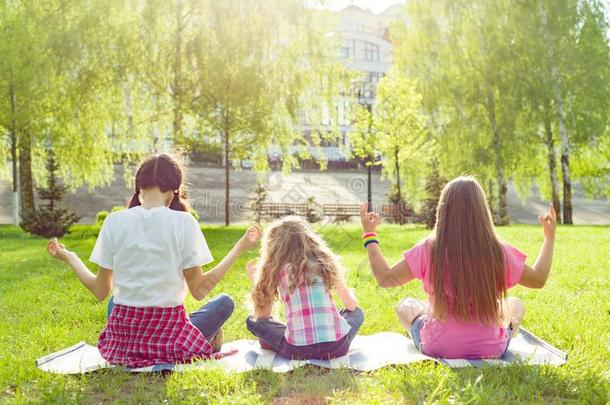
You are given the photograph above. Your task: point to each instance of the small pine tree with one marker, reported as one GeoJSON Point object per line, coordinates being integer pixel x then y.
{"type": "Point", "coordinates": [260, 196]}
{"type": "Point", "coordinates": [400, 209]}
{"type": "Point", "coordinates": [434, 186]}
{"type": "Point", "coordinates": [52, 219]}
{"type": "Point", "coordinates": [313, 215]}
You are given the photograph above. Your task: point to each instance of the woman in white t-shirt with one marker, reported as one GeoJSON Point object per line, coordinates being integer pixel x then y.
{"type": "Point", "coordinates": [149, 255]}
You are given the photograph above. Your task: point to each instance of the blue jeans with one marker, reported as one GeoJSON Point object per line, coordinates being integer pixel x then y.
{"type": "Point", "coordinates": [209, 318]}
{"type": "Point", "coordinates": [271, 335]}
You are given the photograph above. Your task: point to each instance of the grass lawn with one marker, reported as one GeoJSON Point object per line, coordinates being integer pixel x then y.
{"type": "Point", "coordinates": [43, 308]}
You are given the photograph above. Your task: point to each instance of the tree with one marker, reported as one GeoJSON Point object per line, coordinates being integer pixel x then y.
{"type": "Point", "coordinates": [255, 80]}
{"type": "Point", "coordinates": [399, 126]}
{"type": "Point", "coordinates": [499, 77]}
{"type": "Point", "coordinates": [257, 201]}
{"type": "Point", "coordinates": [434, 186]}
{"type": "Point", "coordinates": [363, 141]}
{"type": "Point", "coordinates": [52, 220]}
{"type": "Point", "coordinates": [564, 49]}
{"type": "Point", "coordinates": [63, 69]}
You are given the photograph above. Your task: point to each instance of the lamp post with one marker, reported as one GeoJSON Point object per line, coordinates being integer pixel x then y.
{"type": "Point", "coordinates": [362, 87]}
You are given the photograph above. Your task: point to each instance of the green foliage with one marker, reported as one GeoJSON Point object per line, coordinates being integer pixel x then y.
{"type": "Point", "coordinates": [313, 211]}
{"type": "Point", "coordinates": [503, 83]}
{"type": "Point", "coordinates": [400, 133]}
{"type": "Point", "coordinates": [52, 219]}
{"type": "Point", "coordinates": [101, 216]}
{"type": "Point", "coordinates": [434, 186]}
{"type": "Point", "coordinates": [400, 209]}
{"type": "Point", "coordinates": [363, 139]}
{"type": "Point", "coordinates": [67, 85]}
{"type": "Point", "coordinates": [256, 201]}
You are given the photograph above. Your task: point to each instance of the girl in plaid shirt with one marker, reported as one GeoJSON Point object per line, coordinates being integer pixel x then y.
{"type": "Point", "coordinates": [297, 268]}
{"type": "Point", "coordinates": [150, 255]}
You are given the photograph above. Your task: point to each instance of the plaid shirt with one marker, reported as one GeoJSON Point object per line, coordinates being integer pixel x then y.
{"type": "Point", "coordinates": [311, 314]}
{"type": "Point", "coordinates": [145, 336]}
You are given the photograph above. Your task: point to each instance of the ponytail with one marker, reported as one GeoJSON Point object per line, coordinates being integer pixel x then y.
{"type": "Point", "coordinates": [135, 200]}
{"type": "Point", "coordinates": [178, 202]}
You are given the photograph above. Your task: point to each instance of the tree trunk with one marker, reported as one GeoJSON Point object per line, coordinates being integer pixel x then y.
{"type": "Point", "coordinates": [177, 85]}
{"type": "Point", "coordinates": [490, 190]}
{"type": "Point", "coordinates": [565, 149]}
{"type": "Point", "coordinates": [13, 141]}
{"type": "Point", "coordinates": [559, 111]}
{"type": "Point", "coordinates": [397, 168]}
{"type": "Point", "coordinates": [227, 173]}
{"type": "Point", "coordinates": [15, 185]}
{"type": "Point", "coordinates": [398, 188]}
{"type": "Point", "coordinates": [26, 184]}
{"type": "Point", "coordinates": [550, 144]}
{"type": "Point", "coordinates": [502, 211]}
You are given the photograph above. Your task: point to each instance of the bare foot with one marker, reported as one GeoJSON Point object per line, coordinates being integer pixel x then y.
{"type": "Point", "coordinates": [408, 309]}
{"type": "Point", "coordinates": [516, 311]}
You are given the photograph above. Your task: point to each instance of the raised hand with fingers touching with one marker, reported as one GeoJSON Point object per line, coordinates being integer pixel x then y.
{"type": "Point", "coordinates": [251, 237]}
{"type": "Point", "coordinates": [58, 250]}
{"type": "Point", "coordinates": [369, 220]}
{"type": "Point", "coordinates": [548, 222]}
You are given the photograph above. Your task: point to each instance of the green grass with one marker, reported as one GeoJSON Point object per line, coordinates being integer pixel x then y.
{"type": "Point", "coordinates": [44, 309]}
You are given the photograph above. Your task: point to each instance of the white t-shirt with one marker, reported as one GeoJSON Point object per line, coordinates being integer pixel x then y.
{"type": "Point", "coordinates": [147, 251]}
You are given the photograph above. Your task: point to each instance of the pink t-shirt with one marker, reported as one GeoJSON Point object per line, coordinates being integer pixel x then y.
{"type": "Point", "coordinates": [455, 339]}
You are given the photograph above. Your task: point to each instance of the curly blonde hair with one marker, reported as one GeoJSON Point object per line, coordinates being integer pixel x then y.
{"type": "Point", "coordinates": [291, 243]}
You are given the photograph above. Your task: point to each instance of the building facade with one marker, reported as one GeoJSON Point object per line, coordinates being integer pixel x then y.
{"type": "Point", "coordinates": [365, 48]}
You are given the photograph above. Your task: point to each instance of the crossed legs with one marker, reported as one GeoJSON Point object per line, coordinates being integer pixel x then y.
{"type": "Point", "coordinates": [410, 308]}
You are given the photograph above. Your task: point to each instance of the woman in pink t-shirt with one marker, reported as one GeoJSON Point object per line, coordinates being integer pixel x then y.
{"type": "Point", "coordinates": [466, 272]}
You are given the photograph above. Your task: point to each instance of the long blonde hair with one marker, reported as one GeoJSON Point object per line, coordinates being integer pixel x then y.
{"type": "Point", "coordinates": [467, 258]}
{"type": "Point", "coordinates": [292, 243]}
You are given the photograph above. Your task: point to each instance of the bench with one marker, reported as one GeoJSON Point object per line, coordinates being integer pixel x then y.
{"type": "Point", "coordinates": [397, 213]}
{"type": "Point", "coordinates": [341, 212]}
{"type": "Point", "coordinates": [278, 209]}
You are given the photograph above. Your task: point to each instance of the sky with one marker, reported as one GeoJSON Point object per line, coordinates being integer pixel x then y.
{"type": "Point", "coordinates": [376, 6]}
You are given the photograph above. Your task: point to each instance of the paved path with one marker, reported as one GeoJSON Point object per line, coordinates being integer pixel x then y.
{"type": "Point", "coordinates": [207, 194]}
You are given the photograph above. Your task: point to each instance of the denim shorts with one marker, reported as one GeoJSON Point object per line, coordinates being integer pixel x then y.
{"type": "Point", "coordinates": [418, 323]}
{"type": "Point", "coordinates": [416, 326]}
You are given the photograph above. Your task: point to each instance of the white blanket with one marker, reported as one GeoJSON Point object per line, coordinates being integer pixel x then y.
{"type": "Point", "coordinates": [366, 353]}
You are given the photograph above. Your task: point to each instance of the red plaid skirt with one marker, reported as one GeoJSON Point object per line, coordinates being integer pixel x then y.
{"type": "Point", "coordinates": [142, 337]}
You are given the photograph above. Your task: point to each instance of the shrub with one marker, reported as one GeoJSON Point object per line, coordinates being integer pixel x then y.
{"type": "Point", "coordinates": [256, 206]}
{"type": "Point", "coordinates": [434, 186]}
{"type": "Point", "coordinates": [313, 214]}
{"type": "Point", "coordinates": [400, 210]}
{"type": "Point", "coordinates": [52, 220]}
{"type": "Point", "coordinates": [101, 216]}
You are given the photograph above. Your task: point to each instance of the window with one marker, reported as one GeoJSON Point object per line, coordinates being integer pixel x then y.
{"type": "Point", "coordinates": [348, 50]}
{"type": "Point", "coordinates": [371, 51]}
{"type": "Point", "coordinates": [374, 77]}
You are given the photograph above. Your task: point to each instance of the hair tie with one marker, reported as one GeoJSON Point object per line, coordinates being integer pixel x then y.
{"type": "Point", "coordinates": [176, 191]}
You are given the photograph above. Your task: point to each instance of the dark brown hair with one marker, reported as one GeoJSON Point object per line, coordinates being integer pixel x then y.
{"type": "Point", "coordinates": [167, 173]}
{"type": "Point", "coordinates": [467, 258]}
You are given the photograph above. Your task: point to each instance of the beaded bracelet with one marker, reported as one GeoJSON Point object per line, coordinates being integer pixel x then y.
{"type": "Point", "coordinates": [369, 237]}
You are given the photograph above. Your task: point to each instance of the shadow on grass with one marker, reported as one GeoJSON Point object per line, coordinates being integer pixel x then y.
{"type": "Point", "coordinates": [514, 383]}
{"type": "Point", "coordinates": [307, 384]}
